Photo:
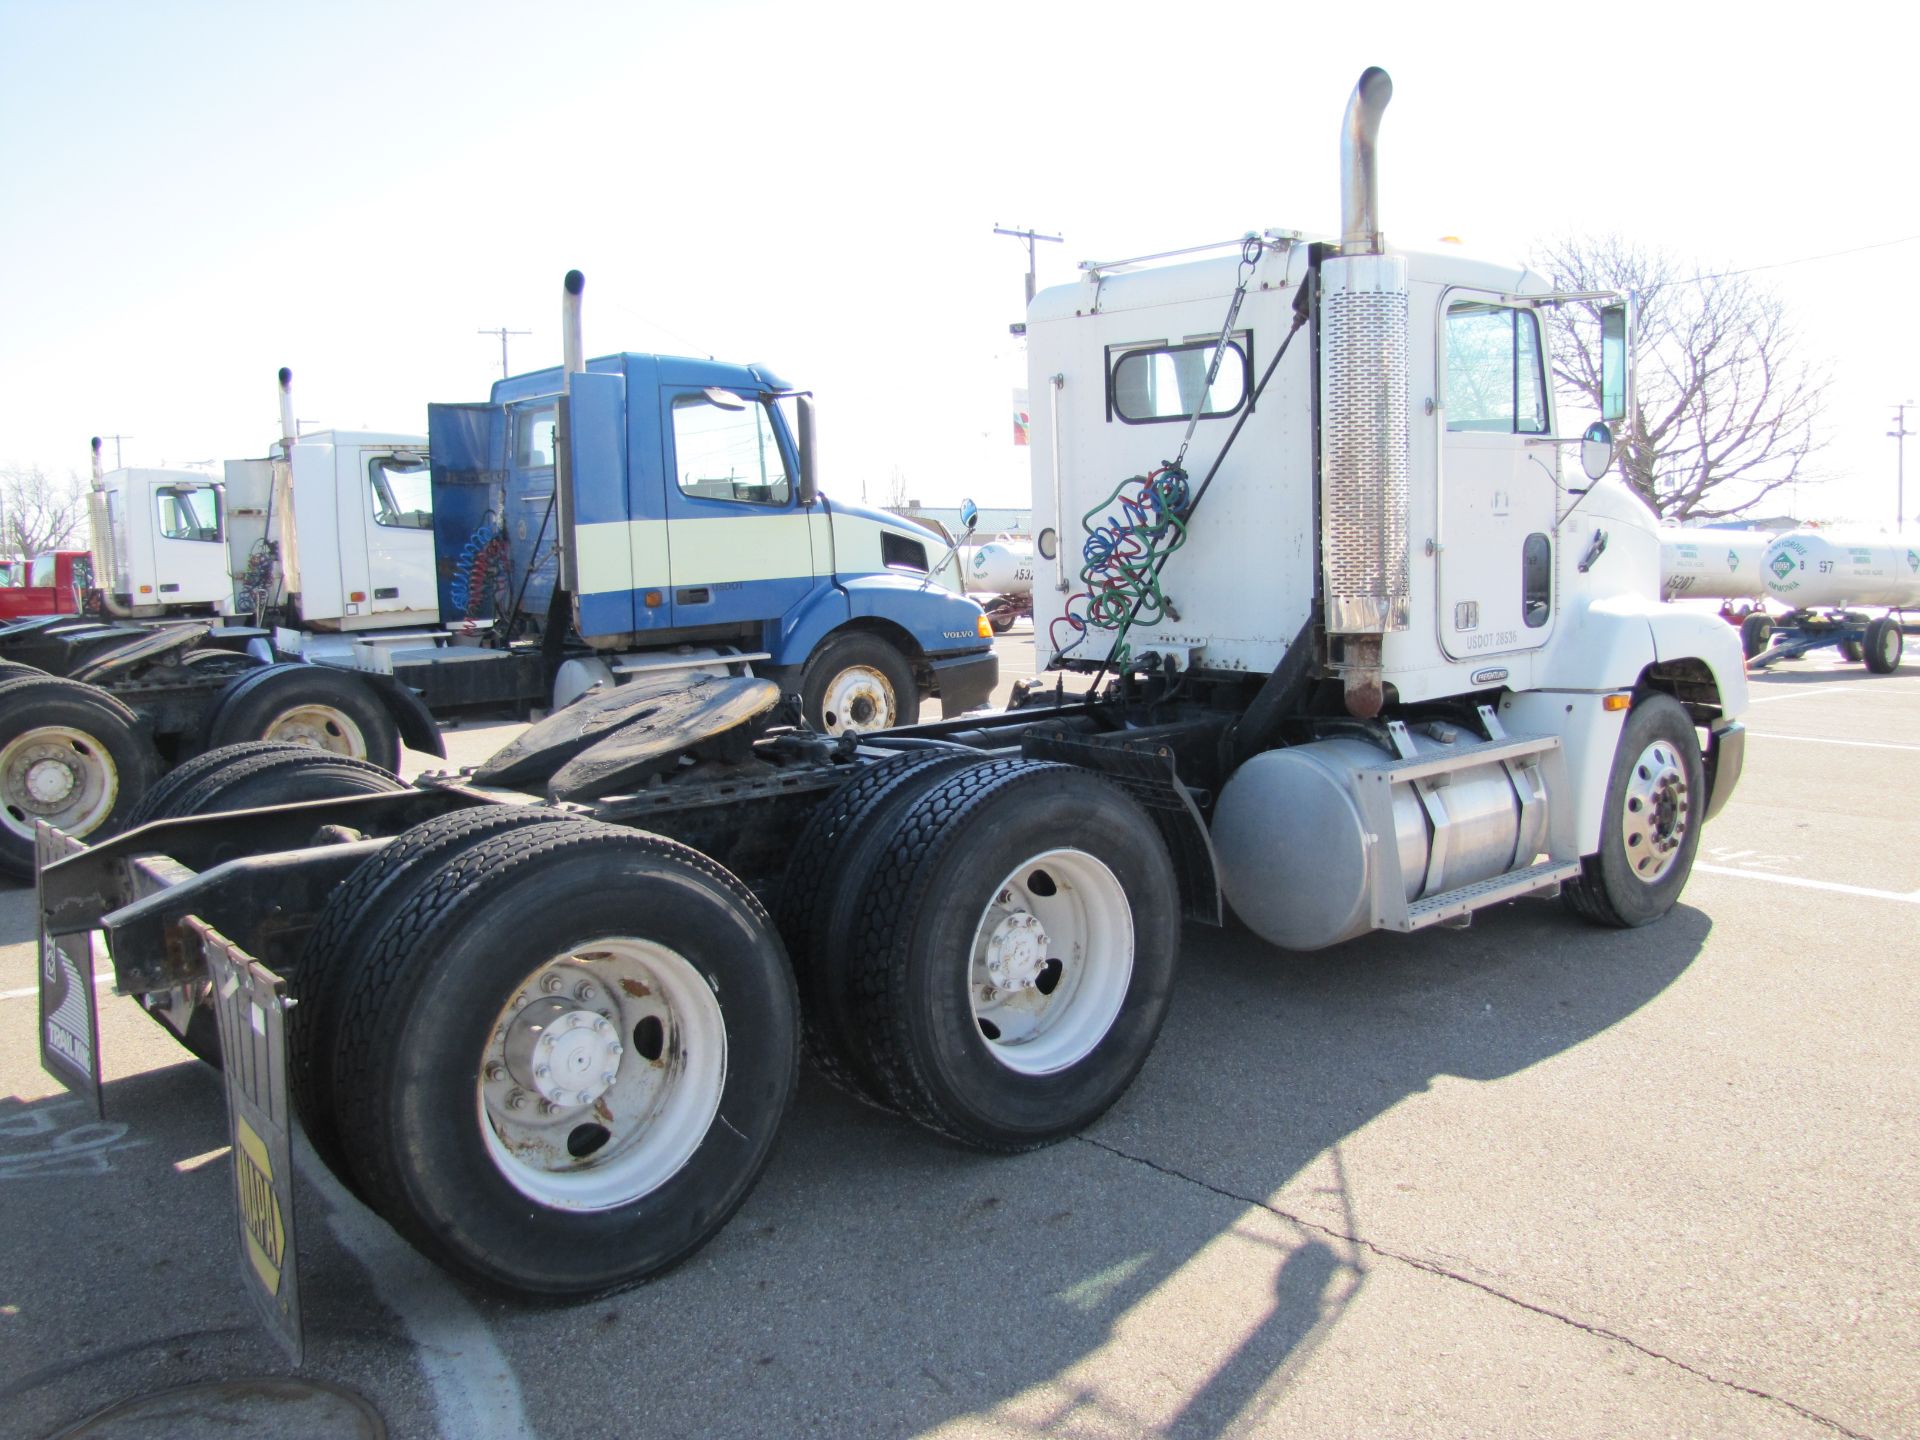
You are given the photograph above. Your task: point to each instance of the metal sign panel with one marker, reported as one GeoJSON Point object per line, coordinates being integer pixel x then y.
{"type": "Point", "coordinates": [251, 1002]}
{"type": "Point", "coordinates": [69, 1017]}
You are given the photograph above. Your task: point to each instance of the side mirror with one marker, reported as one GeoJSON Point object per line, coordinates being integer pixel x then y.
{"type": "Point", "coordinates": [1596, 450]}
{"type": "Point", "coordinates": [809, 481]}
{"type": "Point", "coordinates": [969, 516]}
{"type": "Point", "coordinates": [1614, 334]}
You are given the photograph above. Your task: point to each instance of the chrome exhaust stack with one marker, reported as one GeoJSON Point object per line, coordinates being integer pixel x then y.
{"type": "Point", "coordinates": [1363, 390]}
{"type": "Point", "coordinates": [1359, 165]}
{"type": "Point", "coordinates": [288, 425]}
{"type": "Point", "coordinates": [573, 361]}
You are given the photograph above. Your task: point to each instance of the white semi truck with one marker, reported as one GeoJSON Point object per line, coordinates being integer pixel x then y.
{"type": "Point", "coordinates": [1369, 655]}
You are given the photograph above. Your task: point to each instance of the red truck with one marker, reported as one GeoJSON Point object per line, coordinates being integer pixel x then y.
{"type": "Point", "coordinates": [49, 584]}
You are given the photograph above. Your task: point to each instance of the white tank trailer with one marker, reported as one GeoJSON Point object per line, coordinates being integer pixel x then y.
{"type": "Point", "coordinates": [1827, 579]}
{"type": "Point", "coordinates": [1830, 569]}
{"type": "Point", "coordinates": [1701, 564]}
{"type": "Point", "coordinates": [1000, 567]}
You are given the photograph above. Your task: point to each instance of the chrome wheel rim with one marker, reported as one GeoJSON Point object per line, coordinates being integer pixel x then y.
{"type": "Point", "coordinates": [602, 1075]}
{"type": "Point", "coordinates": [322, 726]}
{"type": "Point", "coordinates": [1051, 961]}
{"type": "Point", "coordinates": [858, 698]}
{"type": "Point", "coordinates": [1658, 811]}
{"type": "Point", "coordinates": [58, 774]}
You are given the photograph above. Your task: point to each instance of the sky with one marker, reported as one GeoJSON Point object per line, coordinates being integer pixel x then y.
{"type": "Point", "coordinates": [195, 194]}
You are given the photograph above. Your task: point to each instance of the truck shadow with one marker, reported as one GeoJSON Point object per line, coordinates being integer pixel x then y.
{"type": "Point", "coordinates": [1169, 1272]}
{"type": "Point", "coordinates": [1146, 1277]}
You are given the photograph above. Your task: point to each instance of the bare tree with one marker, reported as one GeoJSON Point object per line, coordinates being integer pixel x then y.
{"type": "Point", "coordinates": [1725, 411]}
{"type": "Point", "coordinates": [37, 512]}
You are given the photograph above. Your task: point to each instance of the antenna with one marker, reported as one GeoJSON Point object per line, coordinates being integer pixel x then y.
{"type": "Point", "coordinates": [503, 333]}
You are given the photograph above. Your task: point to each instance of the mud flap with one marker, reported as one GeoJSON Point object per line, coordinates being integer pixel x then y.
{"type": "Point", "coordinates": [69, 1012]}
{"type": "Point", "coordinates": [251, 1002]}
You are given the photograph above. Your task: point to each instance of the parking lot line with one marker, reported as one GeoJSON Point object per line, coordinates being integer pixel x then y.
{"type": "Point", "coordinates": [1911, 897]}
{"type": "Point", "coordinates": [1825, 740]}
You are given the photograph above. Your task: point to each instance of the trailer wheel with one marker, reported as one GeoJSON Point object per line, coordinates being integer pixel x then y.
{"type": "Point", "coordinates": [312, 705]}
{"type": "Point", "coordinates": [242, 777]}
{"type": "Point", "coordinates": [70, 754]}
{"type": "Point", "coordinates": [354, 917]}
{"type": "Point", "coordinates": [1884, 644]}
{"type": "Point", "coordinates": [1650, 827]}
{"type": "Point", "coordinates": [1015, 953]}
{"type": "Point", "coordinates": [1849, 650]}
{"type": "Point", "coordinates": [1755, 631]}
{"type": "Point", "coordinates": [563, 1063]}
{"type": "Point", "coordinates": [843, 839]}
{"type": "Point", "coordinates": [858, 682]}
{"type": "Point", "coordinates": [246, 777]}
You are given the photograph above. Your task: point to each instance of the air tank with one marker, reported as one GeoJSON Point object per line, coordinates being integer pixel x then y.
{"type": "Point", "coordinates": [1000, 567]}
{"type": "Point", "coordinates": [1823, 569]}
{"type": "Point", "coordinates": [1713, 564]}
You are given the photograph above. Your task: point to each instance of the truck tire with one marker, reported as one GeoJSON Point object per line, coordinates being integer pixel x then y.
{"type": "Point", "coordinates": [1883, 645]}
{"type": "Point", "coordinates": [246, 778]}
{"type": "Point", "coordinates": [1650, 826]}
{"type": "Point", "coordinates": [157, 804]}
{"type": "Point", "coordinates": [1014, 953]}
{"type": "Point", "coordinates": [242, 777]}
{"type": "Point", "coordinates": [858, 682]}
{"type": "Point", "coordinates": [314, 705]}
{"type": "Point", "coordinates": [1849, 650]}
{"type": "Point", "coordinates": [1755, 631]}
{"type": "Point", "coordinates": [356, 913]}
{"type": "Point", "coordinates": [665, 970]}
{"type": "Point", "coordinates": [70, 754]}
{"type": "Point", "coordinates": [840, 843]}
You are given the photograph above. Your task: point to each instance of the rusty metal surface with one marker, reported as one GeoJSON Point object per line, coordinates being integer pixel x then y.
{"type": "Point", "coordinates": [251, 1002]}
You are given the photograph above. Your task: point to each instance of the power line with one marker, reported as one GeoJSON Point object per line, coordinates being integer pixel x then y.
{"type": "Point", "coordinates": [1803, 260]}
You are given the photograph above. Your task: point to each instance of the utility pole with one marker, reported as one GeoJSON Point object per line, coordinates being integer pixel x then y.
{"type": "Point", "coordinates": [1899, 435]}
{"type": "Point", "coordinates": [116, 447]}
{"type": "Point", "coordinates": [503, 333]}
{"type": "Point", "coordinates": [1029, 236]}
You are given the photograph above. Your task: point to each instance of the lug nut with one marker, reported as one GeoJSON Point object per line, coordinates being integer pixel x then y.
{"type": "Point", "coordinates": [583, 991]}
{"type": "Point", "coordinates": [516, 1100]}
{"type": "Point", "coordinates": [547, 1107]}
{"type": "Point", "coordinates": [541, 1072]}
{"type": "Point", "coordinates": [551, 984]}
{"type": "Point", "coordinates": [496, 1071]}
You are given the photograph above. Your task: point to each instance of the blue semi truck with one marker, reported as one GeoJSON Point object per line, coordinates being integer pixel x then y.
{"type": "Point", "coordinates": [638, 518]}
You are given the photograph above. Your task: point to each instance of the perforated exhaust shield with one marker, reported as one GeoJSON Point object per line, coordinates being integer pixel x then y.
{"type": "Point", "coordinates": [1363, 393]}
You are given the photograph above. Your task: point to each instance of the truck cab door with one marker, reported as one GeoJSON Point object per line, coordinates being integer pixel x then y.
{"type": "Point", "coordinates": [396, 490]}
{"type": "Point", "coordinates": [468, 449]}
{"type": "Point", "coordinates": [189, 544]}
{"type": "Point", "coordinates": [741, 544]}
{"type": "Point", "coordinates": [1498, 479]}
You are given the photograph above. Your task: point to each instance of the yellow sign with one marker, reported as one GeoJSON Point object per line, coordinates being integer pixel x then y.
{"type": "Point", "coordinates": [259, 1206]}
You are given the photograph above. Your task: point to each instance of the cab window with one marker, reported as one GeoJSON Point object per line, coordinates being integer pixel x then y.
{"type": "Point", "coordinates": [1495, 381]}
{"type": "Point", "coordinates": [189, 512]}
{"type": "Point", "coordinates": [533, 442]}
{"type": "Point", "coordinates": [726, 453]}
{"type": "Point", "coordinates": [402, 492]}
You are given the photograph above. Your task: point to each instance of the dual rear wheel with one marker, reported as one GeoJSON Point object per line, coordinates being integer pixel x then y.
{"type": "Point", "coordinates": [985, 947]}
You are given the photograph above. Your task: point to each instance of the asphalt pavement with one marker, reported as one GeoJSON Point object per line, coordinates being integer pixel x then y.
{"type": "Point", "coordinates": [1529, 1178]}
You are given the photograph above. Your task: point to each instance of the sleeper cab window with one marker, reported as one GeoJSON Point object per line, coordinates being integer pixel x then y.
{"type": "Point", "coordinates": [728, 452]}
{"type": "Point", "coordinates": [1153, 384]}
{"type": "Point", "coordinates": [1495, 381]}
